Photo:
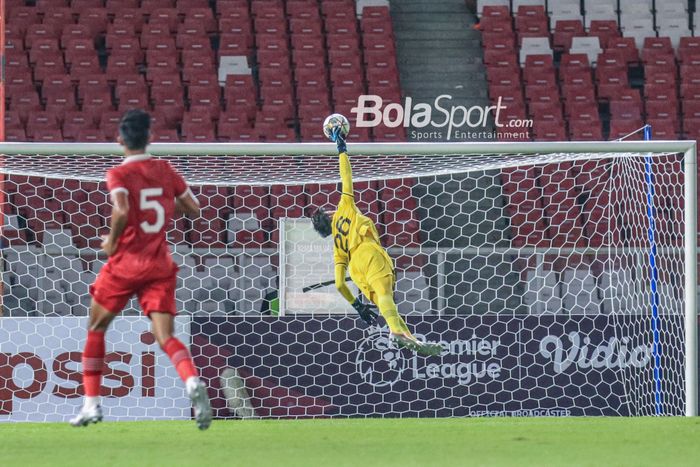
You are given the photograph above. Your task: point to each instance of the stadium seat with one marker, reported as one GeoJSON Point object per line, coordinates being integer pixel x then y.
{"type": "Point", "coordinates": [492, 7]}
{"type": "Point", "coordinates": [74, 122]}
{"type": "Point", "coordinates": [638, 28]}
{"type": "Point", "coordinates": [165, 16]}
{"type": "Point", "coordinates": [604, 30]}
{"type": "Point", "coordinates": [586, 45]}
{"type": "Point", "coordinates": [564, 32]}
{"type": "Point", "coordinates": [627, 46]}
{"type": "Point", "coordinates": [599, 12]}
{"type": "Point", "coordinates": [534, 46]}
{"type": "Point", "coordinates": [612, 82]}
{"type": "Point", "coordinates": [674, 28]}
{"type": "Point", "coordinates": [41, 122]}
{"type": "Point", "coordinates": [95, 19]}
{"type": "Point", "coordinates": [76, 31]}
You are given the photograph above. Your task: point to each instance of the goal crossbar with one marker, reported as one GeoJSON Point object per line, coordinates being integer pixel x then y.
{"type": "Point", "coordinates": [272, 149]}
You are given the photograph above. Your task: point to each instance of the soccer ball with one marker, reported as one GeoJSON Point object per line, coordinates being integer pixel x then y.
{"type": "Point", "coordinates": [334, 121]}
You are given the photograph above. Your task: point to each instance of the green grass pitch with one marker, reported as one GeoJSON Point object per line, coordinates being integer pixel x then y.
{"type": "Point", "coordinates": [359, 442]}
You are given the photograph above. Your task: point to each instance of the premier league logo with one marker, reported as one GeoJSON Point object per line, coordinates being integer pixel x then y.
{"type": "Point", "coordinates": [378, 361]}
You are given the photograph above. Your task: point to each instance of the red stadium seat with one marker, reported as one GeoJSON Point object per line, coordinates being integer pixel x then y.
{"type": "Point", "coordinates": [76, 31]}
{"type": "Point", "coordinates": [132, 99]}
{"type": "Point", "coordinates": [74, 122]}
{"type": "Point", "coordinates": [166, 16]}
{"type": "Point", "coordinates": [76, 49]}
{"type": "Point", "coordinates": [604, 30]}
{"type": "Point", "coordinates": [197, 126]}
{"type": "Point", "coordinates": [585, 131]}
{"type": "Point", "coordinates": [95, 19]}
{"type": "Point", "coordinates": [41, 122]}
{"type": "Point", "coordinates": [625, 110]}
{"type": "Point", "coordinates": [44, 47]}
{"type": "Point", "coordinates": [85, 65]}
{"type": "Point", "coordinates": [627, 46]}
{"type": "Point", "coordinates": [37, 32]}
{"type": "Point", "coordinates": [190, 29]}
{"type": "Point", "coordinates": [564, 32]}
{"type": "Point", "coordinates": [663, 129]}
{"type": "Point", "coordinates": [152, 33]}
{"type": "Point", "coordinates": [621, 128]}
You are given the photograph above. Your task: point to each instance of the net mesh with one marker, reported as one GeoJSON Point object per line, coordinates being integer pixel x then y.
{"type": "Point", "coordinates": [532, 271]}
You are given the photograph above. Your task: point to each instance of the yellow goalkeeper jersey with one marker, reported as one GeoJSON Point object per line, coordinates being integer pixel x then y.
{"type": "Point", "coordinates": [350, 226]}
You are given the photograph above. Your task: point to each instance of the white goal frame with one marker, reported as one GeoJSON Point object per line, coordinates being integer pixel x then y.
{"type": "Point", "coordinates": [688, 148]}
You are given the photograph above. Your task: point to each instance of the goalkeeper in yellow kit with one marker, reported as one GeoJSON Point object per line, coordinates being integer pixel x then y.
{"type": "Point", "coordinates": [357, 248]}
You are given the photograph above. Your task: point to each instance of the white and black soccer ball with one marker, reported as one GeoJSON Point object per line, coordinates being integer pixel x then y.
{"type": "Point", "coordinates": [334, 121]}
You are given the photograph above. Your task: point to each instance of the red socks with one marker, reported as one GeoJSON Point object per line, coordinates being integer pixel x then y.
{"type": "Point", "coordinates": [94, 355]}
{"type": "Point", "coordinates": [93, 360]}
{"type": "Point", "coordinates": [180, 357]}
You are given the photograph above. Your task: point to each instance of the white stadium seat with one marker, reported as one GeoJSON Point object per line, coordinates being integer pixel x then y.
{"type": "Point", "coordinates": [480, 4]}
{"type": "Point", "coordinates": [518, 3]}
{"type": "Point", "coordinates": [534, 46]}
{"type": "Point", "coordinates": [602, 12]}
{"type": "Point", "coordinates": [363, 3]}
{"type": "Point", "coordinates": [589, 4]}
{"type": "Point", "coordinates": [633, 15]}
{"type": "Point", "coordinates": [563, 13]}
{"type": "Point", "coordinates": [675, 28]}
{"type": "Point", "coordinates": [553, 7]}
{"type": "Point", "coordinates": [632, 5]}
{"type": "Point", "coordinates": [639, 28]}
{"type": "Point", "coordinates": [587, 45]}
{"type": "Point", "coordinates": [671, 9]}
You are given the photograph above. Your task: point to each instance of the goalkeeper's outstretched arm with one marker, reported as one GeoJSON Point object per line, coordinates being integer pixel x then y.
{"type": "Point", "coordinates": [344, 165]}
{"type": "Point", "coordinates": [340, 270]}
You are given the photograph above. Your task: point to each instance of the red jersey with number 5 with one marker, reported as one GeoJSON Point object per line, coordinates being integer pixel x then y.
{"type": "Point", "coordinates": [151, 186]}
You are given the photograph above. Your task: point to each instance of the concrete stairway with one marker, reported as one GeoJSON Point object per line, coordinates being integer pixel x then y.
{"type": "Point", "coordinates": [438, 53]}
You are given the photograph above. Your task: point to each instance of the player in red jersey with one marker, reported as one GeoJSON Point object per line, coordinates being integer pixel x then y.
{"type": "Point", "coordinates": [145, 194]}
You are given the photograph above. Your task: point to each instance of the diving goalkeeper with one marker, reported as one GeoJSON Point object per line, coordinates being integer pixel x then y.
{"type": "Point", "coordinates": [357, 248]}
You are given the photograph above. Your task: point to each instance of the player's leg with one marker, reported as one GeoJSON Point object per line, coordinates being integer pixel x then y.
{"type": "Point", "coordinates": [382, 295]}
{"type": "Point", "coordinates": [383, 291]}
{"type": "Point", "coordinates": [109, 296]}
{"type": "Point", "coordinates": [93, 361]}
{"type": "Point", "coordinates": [163, 330]}
{"type": "Point", "coordinates": [157, 300]}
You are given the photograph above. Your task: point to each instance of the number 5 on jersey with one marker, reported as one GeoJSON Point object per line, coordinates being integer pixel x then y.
{"type": "Point", "coordinates": [146, 202]}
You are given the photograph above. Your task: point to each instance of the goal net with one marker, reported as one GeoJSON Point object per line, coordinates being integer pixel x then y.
{"type": "Point", "coordinates": [559, 279]}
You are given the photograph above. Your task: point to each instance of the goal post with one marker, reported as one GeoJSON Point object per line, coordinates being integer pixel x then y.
{"type": "Point", "coordinates": [529, 262]}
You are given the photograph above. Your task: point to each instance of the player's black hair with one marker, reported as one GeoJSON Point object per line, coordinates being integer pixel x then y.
{"type": "Point", "coordinates": [135, 128]}
{"type": "Point", "coordinates": [322, 222]}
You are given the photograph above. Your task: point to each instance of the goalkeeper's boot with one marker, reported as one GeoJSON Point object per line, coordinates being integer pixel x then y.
{"type": "Point", "coordinates": [200, 401]}
{"type": "Point", "coordinates": [87, 415]}
{"type": "Point", "coordinates": [406, 341]}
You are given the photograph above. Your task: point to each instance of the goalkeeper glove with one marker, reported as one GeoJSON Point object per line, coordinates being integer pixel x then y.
{"type": "Point", "coordinates": [339, 139]}
{"type": "Point", "coordinates": [366, 312]}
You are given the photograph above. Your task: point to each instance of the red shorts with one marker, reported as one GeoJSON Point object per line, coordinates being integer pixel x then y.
{"type": "Point", "coordinates": [114, 292]}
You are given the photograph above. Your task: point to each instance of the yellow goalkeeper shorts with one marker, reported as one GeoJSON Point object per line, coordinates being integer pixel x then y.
{"type": "Point", "coordinates": [371, 265]}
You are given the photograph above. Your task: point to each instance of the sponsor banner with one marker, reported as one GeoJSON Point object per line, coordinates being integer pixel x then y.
{"type": "Point", "coordinates": [491, 365]}
{"type": "Point", "coordinates": [40, 370]}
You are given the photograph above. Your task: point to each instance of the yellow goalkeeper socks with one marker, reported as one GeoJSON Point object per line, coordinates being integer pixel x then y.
{"type": "Point", "coordinates": [388, 309]}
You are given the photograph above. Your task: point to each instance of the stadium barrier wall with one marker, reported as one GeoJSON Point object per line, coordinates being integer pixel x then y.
{"type": "Point", "coordinates": [40, 370]}
{"type": "Point", "coordinates": [491, 365]}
